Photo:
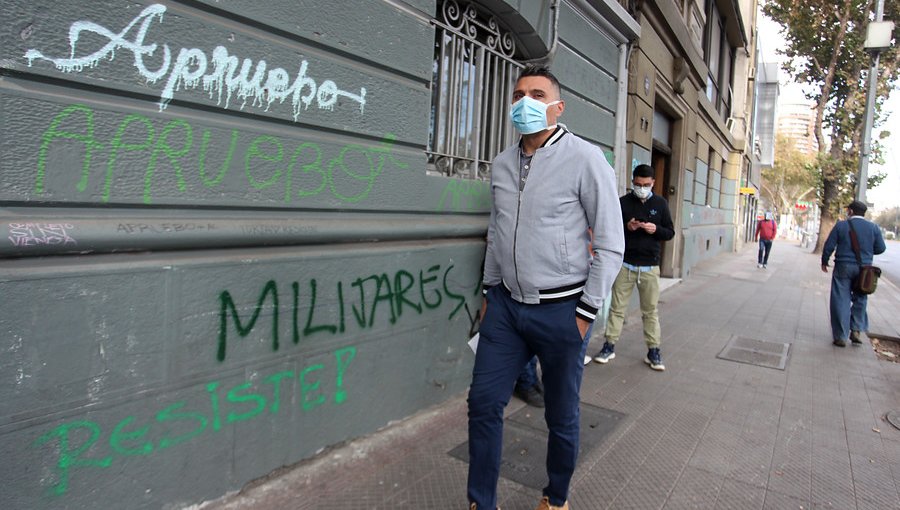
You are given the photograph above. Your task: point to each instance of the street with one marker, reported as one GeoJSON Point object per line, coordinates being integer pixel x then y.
{"type": "Point", "coordinates": [889, 262]}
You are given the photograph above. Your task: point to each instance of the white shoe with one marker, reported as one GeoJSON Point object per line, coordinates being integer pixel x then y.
{"type": "Point", "coordinates": [759, 266]}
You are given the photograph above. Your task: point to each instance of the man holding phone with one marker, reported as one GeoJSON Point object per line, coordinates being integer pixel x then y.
{"type": "Point", "coordinates": [647, 223]}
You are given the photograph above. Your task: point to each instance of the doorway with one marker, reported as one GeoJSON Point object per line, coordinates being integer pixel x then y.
{"type": "Point", "coordinates": [660, 160]}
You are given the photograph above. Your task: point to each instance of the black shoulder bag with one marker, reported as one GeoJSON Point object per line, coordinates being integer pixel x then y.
{"type": "Point", "coordinates": [867, 280]}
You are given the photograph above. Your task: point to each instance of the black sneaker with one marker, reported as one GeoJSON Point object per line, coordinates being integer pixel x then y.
{"type": "Point", "coordinates": [532, 396]}
{"type": "Point", "coordinates": [840, 343]}
{"type": "Point", "coordinates": [854, 337]}
{"type": "Point", "coordinates": [654, 360]}
{"type": "Point", "coordinates": [607, 352]}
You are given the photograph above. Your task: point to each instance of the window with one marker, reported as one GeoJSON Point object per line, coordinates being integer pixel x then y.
{"type": "Point", "coordinates": [712, 187]}
{"type": "Point", "coordinates": [719, 58]}
{"type": "Point", "coordinates": [471, 88]}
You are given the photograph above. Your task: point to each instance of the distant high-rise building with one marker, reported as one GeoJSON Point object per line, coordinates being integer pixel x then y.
{"type": "Point", "coordinates": [796, 122]}
{"type": "Point", "coordinates": [766, 106]}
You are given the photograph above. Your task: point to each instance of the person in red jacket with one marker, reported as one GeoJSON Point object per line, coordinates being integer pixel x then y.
{"type": "Point", "coordinates": [765, 232]}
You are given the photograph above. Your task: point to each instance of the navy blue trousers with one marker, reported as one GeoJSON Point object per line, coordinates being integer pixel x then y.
{"type": "Point", "coordinates": [765, 246]}
{"type": "Point", "coordinates": [848, 309]}
{"type": "Point", "coordinates": [510, 334]}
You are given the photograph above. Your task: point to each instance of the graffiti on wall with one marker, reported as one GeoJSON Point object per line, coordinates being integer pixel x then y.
{"type": "Point", "coordinates": [268, 161]}
{"type": "Point", "coordinates": [85, 444]}
{"type": "Point", "coordinates": [464, 195]}
{"type": "Point", "coordinates": [357, 305]}
{"type": "Point", "coordinates": [222, 75]}
{"type": "Point", "coordinates": [366, 302]}
{"type": "Point", "coordinates": [37, 234]}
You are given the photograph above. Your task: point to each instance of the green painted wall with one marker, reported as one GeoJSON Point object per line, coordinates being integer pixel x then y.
{"type": "Point", "coordinates": [219, 248]}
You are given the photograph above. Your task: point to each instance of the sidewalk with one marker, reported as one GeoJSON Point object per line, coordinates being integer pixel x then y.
{"type": "Point", "coordinates": [706, 433]}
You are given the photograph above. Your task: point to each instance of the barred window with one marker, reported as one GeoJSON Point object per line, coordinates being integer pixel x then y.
{"type": "Point", "coordinates": [474, 72]}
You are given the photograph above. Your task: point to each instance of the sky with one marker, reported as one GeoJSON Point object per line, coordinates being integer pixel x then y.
{"type": "Point", "coordinates": [887, 194]}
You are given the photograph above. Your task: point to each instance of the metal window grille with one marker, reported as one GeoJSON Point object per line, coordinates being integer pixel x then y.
{"type": "Point", "coordinates": [470, 92]}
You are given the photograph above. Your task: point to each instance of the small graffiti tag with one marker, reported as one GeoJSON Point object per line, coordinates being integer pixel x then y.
{"type": "Point", "coordinates": [36, 234]}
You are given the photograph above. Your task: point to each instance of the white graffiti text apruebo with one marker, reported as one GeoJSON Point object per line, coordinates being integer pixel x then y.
{"type": "Point", "coordinates": [35, 234]}
{"type": "Point", "coordinates": [220, 74]}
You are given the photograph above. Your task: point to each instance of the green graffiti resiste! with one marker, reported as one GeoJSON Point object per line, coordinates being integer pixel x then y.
{"type": "Point", "coordinates": [349, 175]}
{"type": "Point", "coordinates": [377, 296]}
{"type": "Point", "coordinates": [83, 444]}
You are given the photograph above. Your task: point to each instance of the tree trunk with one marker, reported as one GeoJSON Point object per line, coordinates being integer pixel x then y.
{"type": "Point", "coordinates": [830, 194]}
{"type": "Point", "coordinates": [826, 223]}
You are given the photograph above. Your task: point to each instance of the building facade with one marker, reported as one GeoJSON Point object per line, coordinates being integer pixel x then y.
{"type": "Point", "coordinates": [235, 233]}
{"type": "Point", "coordinates": [690, 116]}
{"type": "Point", "coordinates": [765, 108]}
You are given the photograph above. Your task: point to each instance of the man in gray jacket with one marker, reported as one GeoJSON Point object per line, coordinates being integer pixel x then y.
{"type": "Point", "coordinates": [542, 288]}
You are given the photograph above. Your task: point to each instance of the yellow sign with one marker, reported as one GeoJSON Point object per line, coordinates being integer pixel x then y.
{"type": "Point", "coordinates": [748, 191]}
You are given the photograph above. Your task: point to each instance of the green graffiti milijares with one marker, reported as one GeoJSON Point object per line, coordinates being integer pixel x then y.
{"type": "Point", "coordinates": [392, 296]}
{"type": "Point", "coordinates": [348, 175]}
{"type": "Point", "coordinates": [79, 443]}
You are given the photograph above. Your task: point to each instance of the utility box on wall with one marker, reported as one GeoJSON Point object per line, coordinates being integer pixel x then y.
{"type": "Point", "coordinates": [220, 247]}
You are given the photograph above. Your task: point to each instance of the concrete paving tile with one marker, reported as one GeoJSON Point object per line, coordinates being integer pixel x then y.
{"type": "Point", "coordinates": [659, 473]}
{"type": "Point", "coordinates": [881, 396]}
{"type": "Point", "coordinates": [596, 490]}
{"type": "Point", "coordinates": [716, 447]}
{"type": "Point", "coordinates": [695, 488]}
{"type": "Point", "coordinates": [832, 495]}
{"type": "Point", "coordinates": [868, 504]}
{"type": "Point", "coordinates": [860, 423]}
{"type": "Point", "coordinates": [751, 469]}
{"type": "Point", "coordinates": [438, 490]}
{"type": "Point", "coordinates": [731, 413]}
{"type": "Point", "coordinates": [799, 407]}
{"type": "Point", "coordinates": [639, 495]}
{"type": "Point", "coordinates": [831, 465]}
{"type": "Point", "coordinates": [752, 459]}
{"type": "Point", "coordinates": [510, 495]}
{"type": "Point", "coordinates": [778, 501]}
{"type": "Point", "coordinates": [623, 460]}
{"type": "Point", "coordinates": [791, 479]}
{"type": "Point", "coordinates": [872, 479]}
{"type": "Point", "coordinates": [737, 495]}
{"type": "Point", "coordinates": [866, 443]}
{"type": "Point", "coordinates": [713, 456]}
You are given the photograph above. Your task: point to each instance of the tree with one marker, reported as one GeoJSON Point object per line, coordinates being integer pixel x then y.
{"type": "Point", "coordinates": [824, 46]}
{"type": "Point", "coordinates": [889, 220]}
{"type": "Point", "coordinates": [793, 177]}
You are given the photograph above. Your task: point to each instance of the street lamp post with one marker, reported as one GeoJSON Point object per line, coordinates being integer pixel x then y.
{"type": "Point", "coordinates": [878, 38]}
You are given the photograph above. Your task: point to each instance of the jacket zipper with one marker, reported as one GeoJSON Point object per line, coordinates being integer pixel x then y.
{"type": "Point", "coordinates": [516, 231]}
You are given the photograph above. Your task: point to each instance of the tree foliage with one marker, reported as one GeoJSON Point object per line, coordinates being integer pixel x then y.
{"type": "Point", "coordinates": [792, 178]}
{"type": "Point", "coordinates": [889, 220]}
{"type": "Point", "coordinates": [824, 46]}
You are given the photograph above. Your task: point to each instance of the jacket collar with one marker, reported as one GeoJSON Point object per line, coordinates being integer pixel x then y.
{"type": "Point", "coordinates": [557, 135]}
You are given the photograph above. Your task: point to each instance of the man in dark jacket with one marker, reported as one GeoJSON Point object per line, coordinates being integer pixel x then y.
{"type": "Point", "coordinates": [848, 308]}
{"type": "Point", "coordinates": [647, 223]}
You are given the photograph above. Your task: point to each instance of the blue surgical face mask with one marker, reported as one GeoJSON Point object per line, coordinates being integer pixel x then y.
{"type": "Point", "coordinates": [529, 115]}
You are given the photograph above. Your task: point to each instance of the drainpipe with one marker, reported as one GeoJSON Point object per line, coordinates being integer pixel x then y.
{"type": "Point", "coordinates": [547, 59]}
{"type": "Point", "coordinates": [620, 149]}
